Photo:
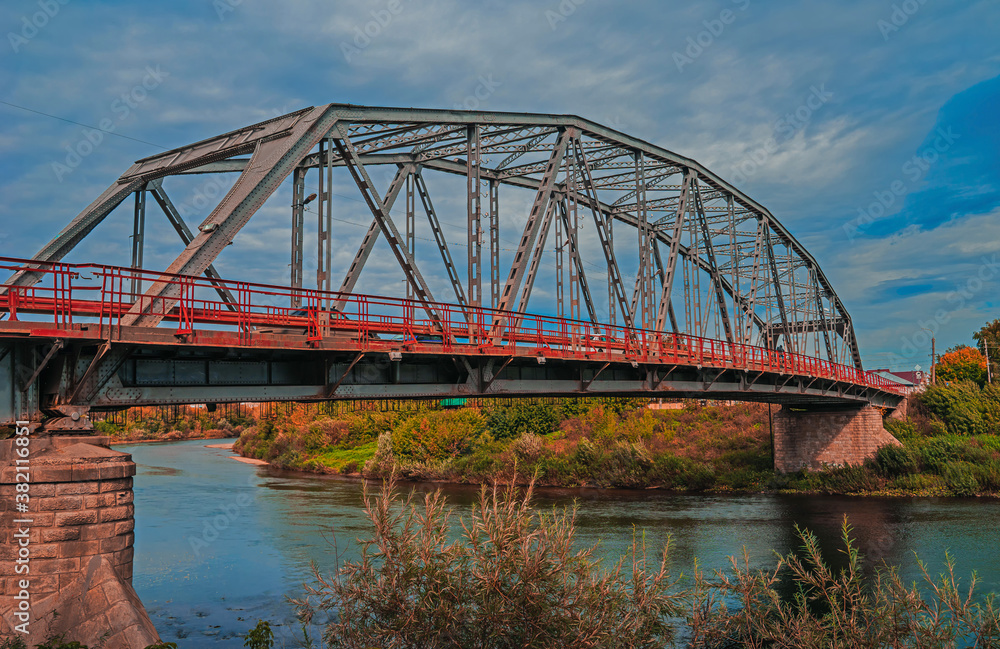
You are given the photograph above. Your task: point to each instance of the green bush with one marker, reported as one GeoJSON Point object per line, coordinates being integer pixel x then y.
{"type": "Point", "coordinates": [698, 478]}
{"type": "Point", "coordinates": [917, 483]}
{"type": "Point", "coordinates": [901, 429]}
{"type": "Point", "coordinates": [435, 436]}
{"type": "Point", "coordinates": [670, 470]}
{"type": "Point", "coordinates": [508, 421]}
{"type": "Point", "coordinates": [964, 407]}
{"type": "Point", "coordinates": [851, 479]}
{"type": "Point", "coordinates": [935, 453]}
{"type": "Point", "coordinates": [891, 461]}
{"type": "Point", "coordinates": [961, 478]}
{"type": "Point", "coordinates": [625, 466]}
{"type": "Point", "coordinates": [988, 475]}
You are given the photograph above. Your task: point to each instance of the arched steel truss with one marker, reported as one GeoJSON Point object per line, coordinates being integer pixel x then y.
{"type": "Point", "coordinates": [698, 256]}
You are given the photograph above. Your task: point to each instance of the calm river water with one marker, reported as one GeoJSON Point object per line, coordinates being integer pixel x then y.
{"type": "Point", "coordinates": [220, 543]}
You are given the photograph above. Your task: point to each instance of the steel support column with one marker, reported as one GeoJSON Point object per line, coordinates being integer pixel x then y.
{"type": "Point", "coordinates": [298, 232]}
{"type": "Point", "coordinates": [138, 238]}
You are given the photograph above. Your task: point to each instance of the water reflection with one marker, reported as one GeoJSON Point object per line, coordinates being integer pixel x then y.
{"type": "Point", "coordinates": [220, 543]}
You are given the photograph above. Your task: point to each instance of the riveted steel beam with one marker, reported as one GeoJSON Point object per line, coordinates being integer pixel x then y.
{"type": "Point", "coordinates": [272, 161]}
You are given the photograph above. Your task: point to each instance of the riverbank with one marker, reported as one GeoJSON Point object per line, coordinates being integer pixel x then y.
{"type": "Point", "coordinates": [150, 424]}
{"type": "Point", "coordinates": [607, 443]}
{"type": "Point", "coordinates": [951, 443]}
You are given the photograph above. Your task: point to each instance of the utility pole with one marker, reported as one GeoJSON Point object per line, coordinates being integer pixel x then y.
{"type": "Point", "coordinates": [933, 363]}
{"type": "Point", "coordinates": [986, 348]}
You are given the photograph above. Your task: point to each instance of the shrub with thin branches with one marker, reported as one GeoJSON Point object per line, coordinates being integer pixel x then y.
{"type": "Point", "coordinates": [508, 577]}
{"type": "Point", "coordinates": [511, 579]}
{"type": "Point", "coordinates": [838, 609]}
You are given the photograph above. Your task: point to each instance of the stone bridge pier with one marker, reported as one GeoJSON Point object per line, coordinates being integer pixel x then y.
{"type": "Point", "coordinates": [66, 562]}
{"type": "Point", "coordinates": [818, 437]}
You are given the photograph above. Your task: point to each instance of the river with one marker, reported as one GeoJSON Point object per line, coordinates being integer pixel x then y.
{"type": "Point", "coordinates": [220, 543]}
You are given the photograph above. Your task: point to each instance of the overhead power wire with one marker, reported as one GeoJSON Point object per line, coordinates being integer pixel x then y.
{"type": "Point", "coordinates": [69, 121]}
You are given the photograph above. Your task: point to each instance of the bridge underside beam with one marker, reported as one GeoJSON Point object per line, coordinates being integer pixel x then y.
{"type": "Point", "coordinates": [151, 374]}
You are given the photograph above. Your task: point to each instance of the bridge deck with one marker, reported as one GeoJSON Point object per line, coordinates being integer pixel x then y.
{"type": "Point", "coordinates": [496, 352]}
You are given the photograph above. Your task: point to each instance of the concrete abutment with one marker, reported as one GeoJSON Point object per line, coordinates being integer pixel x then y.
{"type": "Point", "coordinates": [817, 438]}
{"type": "Point", "coordinates": [71, 557]}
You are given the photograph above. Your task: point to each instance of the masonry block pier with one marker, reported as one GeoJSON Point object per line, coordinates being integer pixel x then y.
{"type": "Point", "coordinates": [74, 565]}
{"type": "Point", "coordinates": [823, 437]}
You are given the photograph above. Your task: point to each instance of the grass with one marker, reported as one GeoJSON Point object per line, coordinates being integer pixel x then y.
{"type": "Point", "coordinates": [349, 460]}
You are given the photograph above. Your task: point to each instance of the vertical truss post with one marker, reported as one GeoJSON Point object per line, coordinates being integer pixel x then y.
{"type": "Point", "coordinates": [560, 296]}
{"type": "Point", "coordinates": [675, 242]}
{"type": "Point", "coordinates": [568, 212]}
{"type": "Point", "coordinates": [539, 212]}
{"type": "Point", "coordinates": [692, 279]}
{"type": "Point", "coordinates": [298, 229]}
{"type": "Point", "coordinates": [643, 293]}
{"type": "Point", "coordinates": [734, 261]}
{"type": "Point", "coordinates": [410, 226]}
{"type": "Point", "coordinates": [776, 281]}
{"type": "Point", "coordinates": [324, 218]}
{"type": "Point", "coordinates": [822, 316]}
{"type": "Point", "coordinates": [612, 317]}
{"type": "Point", "coordinates": [494, 243]}
{"type": "Point", "coordinates": [758, 249]}
{"type": "Point", "coordinates": [328, 229]}
{"type": "Point", "coordinates": [578, 278]}
{"type": "Point", "coordinates": [662, 275]}
{"type": "Point", "coordinates": [138, 238]}
{"type": "Point", "coordinates": [473, 169]}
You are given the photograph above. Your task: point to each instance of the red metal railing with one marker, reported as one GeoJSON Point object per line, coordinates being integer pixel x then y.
{"type": "Point", "coordinates": [94, 293]}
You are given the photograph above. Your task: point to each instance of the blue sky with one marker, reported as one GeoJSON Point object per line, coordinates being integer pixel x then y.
{"type": "Point", "coordinates": [870, 129]}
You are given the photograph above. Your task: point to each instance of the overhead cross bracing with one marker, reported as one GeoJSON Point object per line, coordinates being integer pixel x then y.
{"type": "Point", "coordinates": [648, 239]}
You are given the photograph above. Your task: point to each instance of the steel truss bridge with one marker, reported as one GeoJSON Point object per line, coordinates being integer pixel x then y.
{"type": "Point", "coordinates": [620, 268]}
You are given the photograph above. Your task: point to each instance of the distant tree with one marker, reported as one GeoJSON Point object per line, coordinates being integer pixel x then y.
{"type": "Point", "coordinates": [964, 364]}
{"type": "Point", "coordinates": [988, 341]}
